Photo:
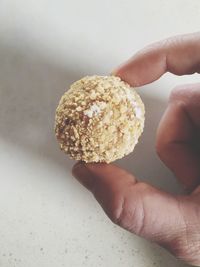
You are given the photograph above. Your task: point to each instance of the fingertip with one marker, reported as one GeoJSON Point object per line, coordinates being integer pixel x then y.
{"type": "Point", "coordinates": [114, 72]}
{"type": "Point", "coordinates": [77, 167]}
{"type": "Point", "coordinates": [82, 174]}
{"type": "Point", "coordinates": [128, 74]}
{"type": "Point", "coordinates": [86, 173]}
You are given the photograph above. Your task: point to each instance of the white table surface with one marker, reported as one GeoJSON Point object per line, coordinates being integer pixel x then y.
{"type": "Point", "coordinates": [46, 218]}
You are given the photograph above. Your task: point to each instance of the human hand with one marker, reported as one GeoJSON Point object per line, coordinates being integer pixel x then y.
{"type": "Point", "coordinates": [171, 221]}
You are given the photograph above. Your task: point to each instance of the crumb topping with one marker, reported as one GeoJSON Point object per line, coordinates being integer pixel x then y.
{"type": "Point", "coordinates": [99, 119]}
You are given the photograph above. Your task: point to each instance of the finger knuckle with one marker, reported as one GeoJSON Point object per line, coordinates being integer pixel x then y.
{"type": "Point", "coordinates": [185, 93]}
{"type": "Point", "coordinates": [118, 212]}
{"type": "Point", "coordinates": [178, 93]}
{"type": "Point", "coordinates": [128, 212]}
{"type": "Point", "coordinates": [161, 147]}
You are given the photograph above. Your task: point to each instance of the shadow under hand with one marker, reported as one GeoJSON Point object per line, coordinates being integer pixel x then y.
{"type": "Point", "coordinates": [30, 88]}
{"type": "Point", "coordinates": [144, 162]}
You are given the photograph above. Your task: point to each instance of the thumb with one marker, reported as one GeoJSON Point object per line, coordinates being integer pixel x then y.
{"type": "Point", "coordinates": [135, 206]}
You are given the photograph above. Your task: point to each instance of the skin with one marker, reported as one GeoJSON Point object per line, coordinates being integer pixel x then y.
{"type": "Point", "coordinates": [169, 220]}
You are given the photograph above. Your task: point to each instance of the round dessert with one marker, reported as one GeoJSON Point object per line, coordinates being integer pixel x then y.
{"type": "Point", "coordinates": [99, 119]}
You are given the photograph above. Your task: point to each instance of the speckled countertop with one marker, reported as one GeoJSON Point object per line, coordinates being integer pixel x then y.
{"type": "Point", "coordinates": [46, 218]}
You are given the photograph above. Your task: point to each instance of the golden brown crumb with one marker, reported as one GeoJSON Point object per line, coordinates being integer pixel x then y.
{"type": "Point", "coordinates": [99, 119]}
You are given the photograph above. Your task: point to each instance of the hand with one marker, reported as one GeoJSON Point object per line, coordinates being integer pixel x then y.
{"type": "Point", "coordinates": [171, 221]}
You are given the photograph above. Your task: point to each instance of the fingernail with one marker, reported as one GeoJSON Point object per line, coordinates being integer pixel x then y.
{"type": "Point", "coordinates": [83, 174]}
{"type": "Point", "coordinates": [114, 72]}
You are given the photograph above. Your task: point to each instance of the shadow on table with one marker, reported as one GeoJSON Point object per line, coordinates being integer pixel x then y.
{"type": "Point", "coordinates": [30, 88]}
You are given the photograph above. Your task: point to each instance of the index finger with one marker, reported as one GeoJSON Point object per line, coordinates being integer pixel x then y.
{"type": "Point", "coordinates": [179, 55]}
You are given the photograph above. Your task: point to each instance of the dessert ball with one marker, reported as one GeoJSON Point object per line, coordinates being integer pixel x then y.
{"type": "Point", "coordinates": [99, 119]}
